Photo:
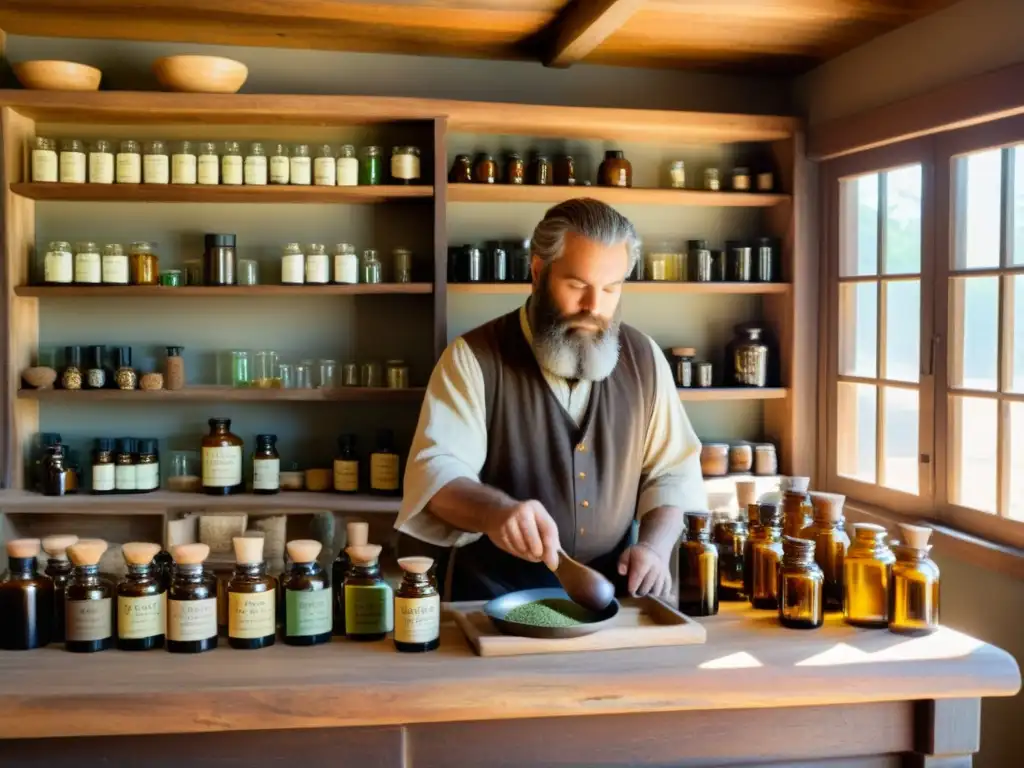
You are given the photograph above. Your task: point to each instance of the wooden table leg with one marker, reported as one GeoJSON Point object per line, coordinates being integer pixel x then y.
{"type": "Point", "coordinates": [947, 733]}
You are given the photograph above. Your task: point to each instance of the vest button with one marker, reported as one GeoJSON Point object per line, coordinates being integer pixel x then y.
{"type": "Point", "coordinates": [581, 448]}
{"type": "Point", "coordinates": [582, 531]}
{"type": "Point", "coordinates": [584, 503]}
{"type": "Point", "coordinates": [583, 474]}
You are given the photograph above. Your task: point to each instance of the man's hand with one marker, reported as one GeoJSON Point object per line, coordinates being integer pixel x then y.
{"type": "Point", "coordinates": [527, 531]}
{"type": "Point", "coordinates": [648, 573]}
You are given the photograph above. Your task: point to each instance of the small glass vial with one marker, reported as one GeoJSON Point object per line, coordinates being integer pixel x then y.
{"type": "Point", "coordinates": [128, 163]}
{"type": "Point", "coordinates": [88, 265]}
{"type": "Point", "coordinates": [462, 170]}
{"type": "Point", "coordinates": [368, 598]}
{"type": "Point", "coordinates": [191, 602]}
{"type": "Point", "coordinates": [101, 162]}
{"type": "Point", "coordinates": [156, 165]}
{"type": "Point", "coordinates": [731, 537]}
{"type": "Point", "coordinates": [307, 596]}
{"type": "Point", "coordinates": [765, 555]}
{"type": "Point", "coordinates": [144, 264]}
{"type": "Point", "coordinates": [53, 472]}
{"type": "Point", "coordinates": [300, 167]}
{"type": "Point", "coordinates": [222, 460]}
{"type": "Point", "coordinates": [385, 477]}
{"type": "Point", "coordinates": [280, 165]}
{"type": "Point", "coordinates": [45, 166]}
{"type": "Point", "coordinates": [712, 182]}
{"type": "Point", "coordinates": [58, 264]}
{"type": "Point", "coordinates": [266, 466]}
{"type": "Point", "coordinates": [347, 170]}
{"type": "Point", "coordinates": [60, 570]}
{"type": "Point", "coordinates": [252, 597]}
{"type": "Point", "coordinates": [318, 266]}
{"type": "Point", "coordinates": [140, 600]}
{"type": "Point", "coordinates": [797, 510]}
{"type": "Point", "coordinates": [183, 163]}
{"type": "Point", "coordinates": [147, 467]}
{"type": "Point", "coordinates": [256, 166]}
{"type": "Point", "coordinates": [867, 576]}
{"type": "Point", "coordinates": [103, 468]}
{"type": "Point", "coordinates": [741, 179]}
{"type": "Point", "coordinates": [800, 586]}
{"type": "Point", "coordinates": [698, 568]}
{"type": "Point", "coordinates": [208, 164]}
{"type": "Point", "coordinates": [401, 265]}
{"type": "Point", "coordinates": [346, 465]}
{"type": "Point", "coordinates": [405, 165]}
{"type": "Point", "coordinates": [231, 165]}
{"type": "Point", "coordinates": [831, 543]}
{"type": "Point", "coordinates": [72, 162]}
{"type": "Point", "coordinates": [370, 269]}
{"type": "Point", "coordinates": [71, 377]}
{"type": "Point", "coordinates": [114, 265]}
{"type": "Point", "coordinates": [417, 607]}
{"type": "Point", "coordinates": [293, 265]}
{"type": "Point", "coordinates": [914, 596]}
{"type": "Point", "coordinates": [346, 264]}
{"type": "Point", "coordinates": [89, 614]}
{"type": "Point", "coordinates": [356, 535]}
{"type": "Point", "coordinates": [677, 174]}
{"type": "Point", "coordinates": [26, 599]}
{"type": "Point", "coordinates": [371, 169]}
{"type": "Point", "coordinates": [96, 373]}
{"type": "Point", "coordinates": [124, 465]}
{"type": "Point", "coordinates": [325, 169]}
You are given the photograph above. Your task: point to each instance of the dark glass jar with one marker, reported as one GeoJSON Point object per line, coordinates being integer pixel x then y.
{"type": "Point", "coordinates": [141, 599]}
{"type": "Point", "coordinates": [89, 607]}
{"type": "Point", "coordinates": [615, 170]}
{"type": "Point", "coordinates": [60, 570]}
{"type": "Point", "coordinates": [914, 597]}
{"type": "Point", "coordinates": [96, 373]}
{"type": "Point", "coordinates": [385, 477]}
{"type": "Point", "coordinates": [565, 171]}
{"type": "Point", "coordinates": [519, 261]}
{"type": "Point", "coordinates": [357, 535]}
{"type": "Point", "coordinates": [417, 607]}
{"type": "Point", "coordinates": [191, 602]}
{"type": "Point", "coordinates": [252, 599]}
{"type": "Point", "coordinates": [747, 357]}
{"type": "Point", "coordinates": [515, 169]}
{"type": "Point", "coordinates": [800, 586]}
{"type": "Point", "coordinates": [698, 568]}
{"type": "Point", "coordinates": [368, 599]}
{"type": "Point", "coordinates": [485, 170]}
{"type": "Point", "coordinates": [718, 267]}
{"type": "Point", "coordinates": [699, 255]}
{"type": "Point", "coordinates": [765, 556]}
{"type": "Point", "coordinates": [461, 171]}
{"type": "Point", "coordinates": [103, 468]}
{"type": "Point", "coordinates": [867, 577]}
{"type": "Point", "coordinates": [222, 460]}
{"type": "Point", "coordinates": [54, 472]}
{"type": "Point", "coordinates": [307, 596]}
{"type": "Point", "coordinates": [739, 261]}
{"type": "Point", "coordinates": [731, 538]}
{"type": "Point", "coordinates": [266, 466]}
{"type": "Point", "coordinates": [71, 377]}
{"type": "Point", "coordinates": [371, 167]}
{"type": "Point", "coordinates": [830, 545]}
{"type": "Point", "coordinates": [540, 171]}
{"type": "Point", "coordinates": [26, 599]}
{"type": "Point", "coordinates": [220, 261]}
{"type": "Point", "coordinates": [346, 465]}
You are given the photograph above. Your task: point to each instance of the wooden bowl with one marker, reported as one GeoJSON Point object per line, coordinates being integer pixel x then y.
{"type": "Point", "coordinates": [57, 76]}
{"type": "Point", "coordinates": [200, 74]}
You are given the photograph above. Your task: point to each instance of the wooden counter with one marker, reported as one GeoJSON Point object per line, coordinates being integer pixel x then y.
{"type": "Point", "coordinates": [785, 694]}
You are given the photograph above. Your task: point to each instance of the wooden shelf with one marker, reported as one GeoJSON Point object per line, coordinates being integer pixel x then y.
{"type": "Point", "coordinates": [486, 289]}
{"type": "Point", "coordinates": [511, 193]}
{"type": "Point", "coordinates": [195, 193]}
{"type": "Point", "coordinates": [219, 291]}
{"type": "Point", "coordinates": [711, 394]}
{"type": "Point", "coordinates": [216, 394]}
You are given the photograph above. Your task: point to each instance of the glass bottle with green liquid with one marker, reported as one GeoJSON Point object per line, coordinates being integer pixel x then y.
{"type": "Point", "coordinates": [369, 603]}
{"type": "Point", "coordinates": [358, 535]}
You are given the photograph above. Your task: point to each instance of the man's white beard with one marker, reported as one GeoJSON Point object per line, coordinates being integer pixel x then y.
{"type": "Point", "coordinates": [569, 353]}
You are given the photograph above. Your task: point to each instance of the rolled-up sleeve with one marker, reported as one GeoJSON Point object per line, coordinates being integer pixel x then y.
{"type": "Point", "coordinates": [671, 463]}
{"type": "Point", "coordinates": [450, 443]}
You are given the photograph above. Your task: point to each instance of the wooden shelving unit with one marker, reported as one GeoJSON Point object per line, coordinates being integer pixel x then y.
{"type": "Point", "coordinates": [194, 193]}
{"type": "Point", "coordinates": [485, 289]}
{"type": "Point", "coordinates": [216, 394]}
{"type": "Point", "coordinates": [218, 291]}
{"type": "Point", "coordinates": [719, 394]}
{"type": "Point", "coordinates": [509, 193]}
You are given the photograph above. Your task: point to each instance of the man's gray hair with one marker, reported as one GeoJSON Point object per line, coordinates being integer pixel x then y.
{"type": "Point", "coordinates": [588, 217]}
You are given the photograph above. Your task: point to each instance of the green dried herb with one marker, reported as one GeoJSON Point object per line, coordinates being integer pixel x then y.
{"type": "Point", "coordinates": [552, 612]}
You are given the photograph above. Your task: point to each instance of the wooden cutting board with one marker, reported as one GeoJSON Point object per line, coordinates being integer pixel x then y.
{"type": "Point", "coordinates": [642, 622]}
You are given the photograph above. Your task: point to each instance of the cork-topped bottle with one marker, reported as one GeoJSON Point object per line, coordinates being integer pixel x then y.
{"type": "Point", "coordinates": [89, 607]}
{"type": "Point", "coordinates": [755, 532]}
{"type": "Point", "coordinates": [867, 577]}
{"type": "Point", "coordinates": [765, 558]}
{"type": "Point", "coordinates": [26, 599]}
{"type": "Point", "coordinates": [191, 602]}
{"type": "Point", "coordinates": [800, 586]}
{"type": "Point", "coordinates": [797, 510]}
{"type": "Point", "coordinates": [368, 599]}
{"type": "Point", "coordinates": [358, 535]}
{"type": "Point", "coordinates": [252, 606]}
{"type": "Point", "coordinates": [222, 460]}
{"type": "Point", "coordinates": [307, 596]}
{"type": "Point", "coordinates": [698, 568]}
{"type": "Point", "coordinates": [141, 600]}
{"type": "Point", "coordinates": [417, 607]}
{"type": "Point", "coordinates": [830, 544]}
{"type": "Point", "coordinates": [914, 596]}
{"type": "Point", "coordinates": [58, 568]}
{"type": "Point", "coordinates": [730, 535]}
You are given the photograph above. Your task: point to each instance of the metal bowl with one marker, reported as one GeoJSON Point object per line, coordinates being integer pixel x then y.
{"type": "Point", "coordinates": [498, 608]}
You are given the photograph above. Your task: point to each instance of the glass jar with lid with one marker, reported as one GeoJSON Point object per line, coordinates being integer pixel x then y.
{"type": "Point", "coordinates": [88, 269]}
{"type": "Point", "coordinates": [485, 170]}
{"type": "Point", "coordinates": [101, 162]}
{"type": "Point", "coordinates": [232, 165]}
{"type": "Point", "coordinates": [677, 174]}
{"type": "Point", "coordinates": [371, 270]}
{"type": "Point", "coordinates": [156, 165]}
{"type": "Point", "coordinates": [462, 170]}
{"type": "Point", "coordinates": [540, 171]}
{"type": "Point", "coordinates": [318, 270]}
{"type": "Point", "coordinates": [128, 163]}
{"type": "Point", "coordinates": [682, 365]}
{"type": "Point", "coordinates": [712, 181]}
{"type": "Point", "coordinates": [208, 164]}
{"type": "Point", "coordinates": [301, 167]}
{"type": "Point", "coordinates": [144, 264]}
{"type": "Point", "coordinates": [397, 374]}
{"type": "Point", "coordinates": [280, 165]}
{"type": "Point", "coordinates": [114, 265]}
{"type": "Point", "coordinates": [325, 169]}
{"type": "Point", "coordinates": [741, 179]}
{"type": "Point", "coordinates": [401, 261]}
{"type": "Point", "coordinates": [346, 264]}
{"type": "Point", "coordinates": [347, 166]}
{"type": "Point", "coordinates": [405, 165]}
{"type": "Point", "coordinates": [183, 163]}
{"type": "Point", "coordinates": [72, 162]}
{"type": "Point", "coordinates": [293, 265]}
{"type": "Point", "coordinates": [515, 169]}
{"type": "Point", "coordinates": [58, 266]}
{"type": "Point", "coordinates": [565, 171]}
{"type": "Point", "coordinates": [328, 374]}
{"type": "Point", "coordinates": [371, 169]}
{"type": "Point", "coordinates": [615, 170]}
{"type": "Point", "coordinates": [44, 159]}
{"type": "Point", "coordinates": [256, 166]}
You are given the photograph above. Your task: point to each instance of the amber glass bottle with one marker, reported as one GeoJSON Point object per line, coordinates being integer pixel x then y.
{"type": "Point", "coordinates": [914, 597]}
{"type": "Point", "coordinates": [26, 599]}
{"type": "Point", "coordinates": [731, 538]}
{"type": "Point", "coordinates": [417, 607]}
{"type": "Point", "coordinates": [252, 607]}
{"type": "Point", "coordinates": [307, 596]}
{"type": "Point", "coordinates": [698, 568]}
{"type": "Point", "coordinates": [385, 477]}
{"type": "Point", "coordinates": [797, 509]}
{"type": "Point", "coordinates": [615, 170]}
{"type": "Point", "coordinates": [830, 544]}
{"type": "Point", "coordinates": [58, 568]}
{"type": "Point", "coordinates": [266, 466]}
{"type": "Point", "coordinates": [222, 460]}
{"type": "Point", "coordinates": [867, 577]}
{"type": "Point", "coordinates": [755, 532]}
{"type": "Point", "coordinates": [346, 465]}
{"type": "Point", "coordinates": [765, 557]}
{"type": "Point", "coordinates": [368, 599]}
{"type": "Point", "coordinates": [141, 600]}
{"type": "Point", "coordinates": [358, 535]}
{"type": "Point", "coordinates": [800, 586]}
{"type": "Point", "coordinates": [90, 600]}
{"type": "Point", "coordinates": [191, 602]}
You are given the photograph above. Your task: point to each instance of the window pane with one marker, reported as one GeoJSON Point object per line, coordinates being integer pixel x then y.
{"type": "Point", "coordinates": [978, 219]}
{"type": "Point", "coordinates": [858, 226]}
{"type": "Point", "coordinates": [1013, 320]}
{"type": "Point", "coordinates": [856, 444]}
{"type": "Point", "coordinates": [903, 221]}
{"type": "Point", "coordinates": [902, 330]}
{"type": "Point", "coordinates": [974, 332]}
{"type": "Point", "coordinates": [1016, 467]}
{"type": "Point", "coordinates": [1017, 254]}
{"type": "Point", "coordinates": [858, 329]}
{"type": "Point", "coordinates": [899, 448]}
{"type": "Point", "coordinates": [973, 449]}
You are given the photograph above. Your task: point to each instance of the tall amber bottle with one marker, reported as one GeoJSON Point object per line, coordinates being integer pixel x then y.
{"type": "Point", "coordinates": [385, 472]}
{"type": "Point", "coordinates": [222, 460]}
{"type": "Point", "coordinates": [765, 558]}
{"type": "Point", "coordinates": [191, 602]}
{"type": "Point", "coordinates": [914, 597]}
{"type": "Point", "coordinates": [59, 568]}
{"type": "Point", "coordinates": [830, 544]}
{"type": "Point", "coordinates": [731, 538]}
{"type": "Point", "coordinates": [26, 599]}
{"type": "Point", "coordinates": [358, 535]}
{"type": "Point", "coordinates": [89, 608]}
{"type": "Point", "coordinates": [867, 577]}
{"type": "Point", "coordinates": [800, 586]}
{"type": "Point", "coordinates": [368, 600]}
{"type": "Point", "coordinates": [252, 597]}
{"type": "Point", "coordinates": [698, 568]}
{"type": "Point", "coordinates": [417, 607]}
{"type": "Point", "coordinates": [797, 510]}
{"type": "Point", "coordinates": [307, 596]}
{"type": "Point", "coordinates": [141, 600]}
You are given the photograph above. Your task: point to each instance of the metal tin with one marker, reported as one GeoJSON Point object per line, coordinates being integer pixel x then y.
{"type": "Point", "coordinates": [220, 260]}
{"type": "Point", "coordinates": [765, 271]}
{"type": "Point", "coordinates": [703, 370]}
{"type": "Point", "coordinates": [698, 568]}
{"type": "Point", "coordinates": [397, 374]}
{"type": "Point", "coordinates": [914, 596]}
{"type": "Point", "coordinates": [739, 262]}
{"type": "Point", "coordinates": [497, 263]}
{"type": "Point", "coordinates": [830, 545]}
{"type": "Point", "coordinates": [469, 265]}
{"type": "Point", "coordinates": [765, 556]}
{"type": "Point", "coordinates": [731, 538]}
{"type": "Point", "coordinates": [700, 265]}
{"type": "Point", "coordinates": [173, 278]}
{"type": "Point", "coordinates": [800, 586]}
{"type": "Point", "coordinates": [867, 575]}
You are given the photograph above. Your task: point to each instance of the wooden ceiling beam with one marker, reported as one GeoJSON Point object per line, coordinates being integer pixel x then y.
{"type": "Point", "coordinates": [582, 26]}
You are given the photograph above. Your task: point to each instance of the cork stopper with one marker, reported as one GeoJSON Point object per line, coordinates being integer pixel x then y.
{"type": "Point", "coordinates": [797, 484]}
{"type": "Point", "coordinates": [366, 554]}
{"type": "Point", "coordinates": [23, 548]}
{"type": "Point", "coordinates": [248, 549]}
{"type": "Point", "coordinates": [87, 551]}
{"type": "Point", "coordinates": [56, 547]}
{"type": "Point", "coordinates": [190, 554]}
{"type": "Point", "coordinates": [415, 564]}
{"type": "Point", "coordinates": [746, 493]}
{"type": "Point", "coordinates": [697, 523]}
{"type": "Point", "coordinates": [139, 552]}
{"type": "Point", "coordinates": [304, 550]}
{"type": "Point", "coordinates": [828, 507]}
{"type": "Point", "coordinates": [358, 534]}
{"type": "Point", "coordinates": [915, 536]}
{"type": "Point", "coordinates": [683, 351]}
{"type": "Point", "coordinates": [868, 531]}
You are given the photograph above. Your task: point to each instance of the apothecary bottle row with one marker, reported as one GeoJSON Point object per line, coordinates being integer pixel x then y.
{"type": "Point", "coordinates": [230, 163]}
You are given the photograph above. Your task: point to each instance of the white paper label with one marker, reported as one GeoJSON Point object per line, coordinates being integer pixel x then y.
{"type": "Point", "coordinates": [191, 620]}
{"type": "Point", "coordinates": [346, 268]}
{"type": "Point", "coordinates": [279, 169]}
{"type": "Point", "coordinates": [256, 170]}
{"type": "Point", "coordinates": [57, 267]}
{"type": "Point", "coordinates": [87, 268]}
{"type": "Point", "coordinates": [222, 467]}
{"type": "Point", "coordinates": [156, 169]}
{"type": "Point", "coordinates": [115, 269]}
{"type": "Point", "coordinates": [183, 169]}
{"type": "Point", "coordinates": [317, 269]}
{"type": "Point", "coordinates": [44, 165]}
{"type": "Point", "coordinates": [72, 167]}
{"type": "Point", "coordinates": [417, 619]}
{"type": "Point", "coordinates": [101, 168]}
{"type": "Point", "coordinates": [103, 477]}
{"type": "Point", "coordinates": [209, 169]}
{"type": "Point", "coordinates": [405, 167]}
{"type": "Point", "coordinates": [147, 477]}
{"type": "Point", "coordinates": [129, 168]}
{"type": "Point", "coordinates": [124, 477]}
{"type": "Point", "coordinates": [266, 474]}
{"type": "Point", "coordinates": [293, 268]}
{"type": "Point", "coordinates": [231, 170]}
{"type": "Point", "coordinates": [140, 617]}
{"type": "Point", "coordinates": [89, 620]}
{"type": "Point", "coordinates": [300, 170]}
{"type": "Point", "coordinates": [348, 172]}
{"type": "Point", "coordinates": [324, 171]}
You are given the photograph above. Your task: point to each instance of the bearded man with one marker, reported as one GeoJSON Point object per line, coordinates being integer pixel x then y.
{"type": "Point", "coordinates": [555, 427]}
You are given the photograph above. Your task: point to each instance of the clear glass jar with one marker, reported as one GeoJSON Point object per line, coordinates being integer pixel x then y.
{"type": "Point", "coordinates": [194, 272]}
{"type": "Point", "coordinates": [185, 469]}
{"type": "Point", "coordinates": [156, 165]}
{"type": "Point", "coordinates": [405, 165]}
{"type": "Point", "coordinates": [370, 374]}
{"type": "Point", "coordinates": [144, 264]}
{"type": "Point", "coordinates": [677, 174]}
{"type": "Point", "coordinates": [72, 162]}
{"type": "Point", "coordinates": [318, 269]}
{"type": "Point", "coordinates": [347, 166]}
{"type": "Point", "coordinates": [88, 264]}
{"type": "Point", "coordinates": [300, 166]}
{"type": "Point", "coordinates": [232, 165]}
{"type": "Point", "coordinates": [114, 265]}
{"type": "Point", "coordinates": [248, 272]}
{"type": "Point", "coordinates": [714, 459]}
{"type": "Point", "coordinates": [58, 264]}
{"type": "Point", "coordinates": [101, 162]}
{"type": "Point", "coordinates": [280, 166]}
{"type": "Point", "coordinates": [370, 268]}
{"type": "Point", "coordinates": [346, 264]}
{"type": "Point", "coordinates": [241, 375]}
{"type": "Point", "coordinates": [712, 182]}
{"type": "Point", "coordinates": [44, 160]}
{"type": "Point", "coordinates": [129, 163]}
{"type": "Point", "coordinates": [266, 373]}
{"type": "Point", "coordinates": [741, 179]}
{"type": "Point", "coordinates": [208, 164]}
{"type": "Point", "coordinates": [328, 374]}
{"type": "Point", "coordinates": [765, 461]}
{"type": "Point", "coordinates": [256, 166]}
{"type": "Point", "coordinates": [401, 261]}
{"type": "Point", "coordinates": [371, 169]}
{"type": "Point", "coordinates": [286, 375]}
{"type": "Point", "coordinates": [304, 374]}
{"type": "Point", "coordinates": [325, 172]}
{"type": "Point", "coordinates": [183, 163]}
{"type": "Point", "coordinates": [293, 265]}
{"type": "Point", "coordinates": [350, 375]}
